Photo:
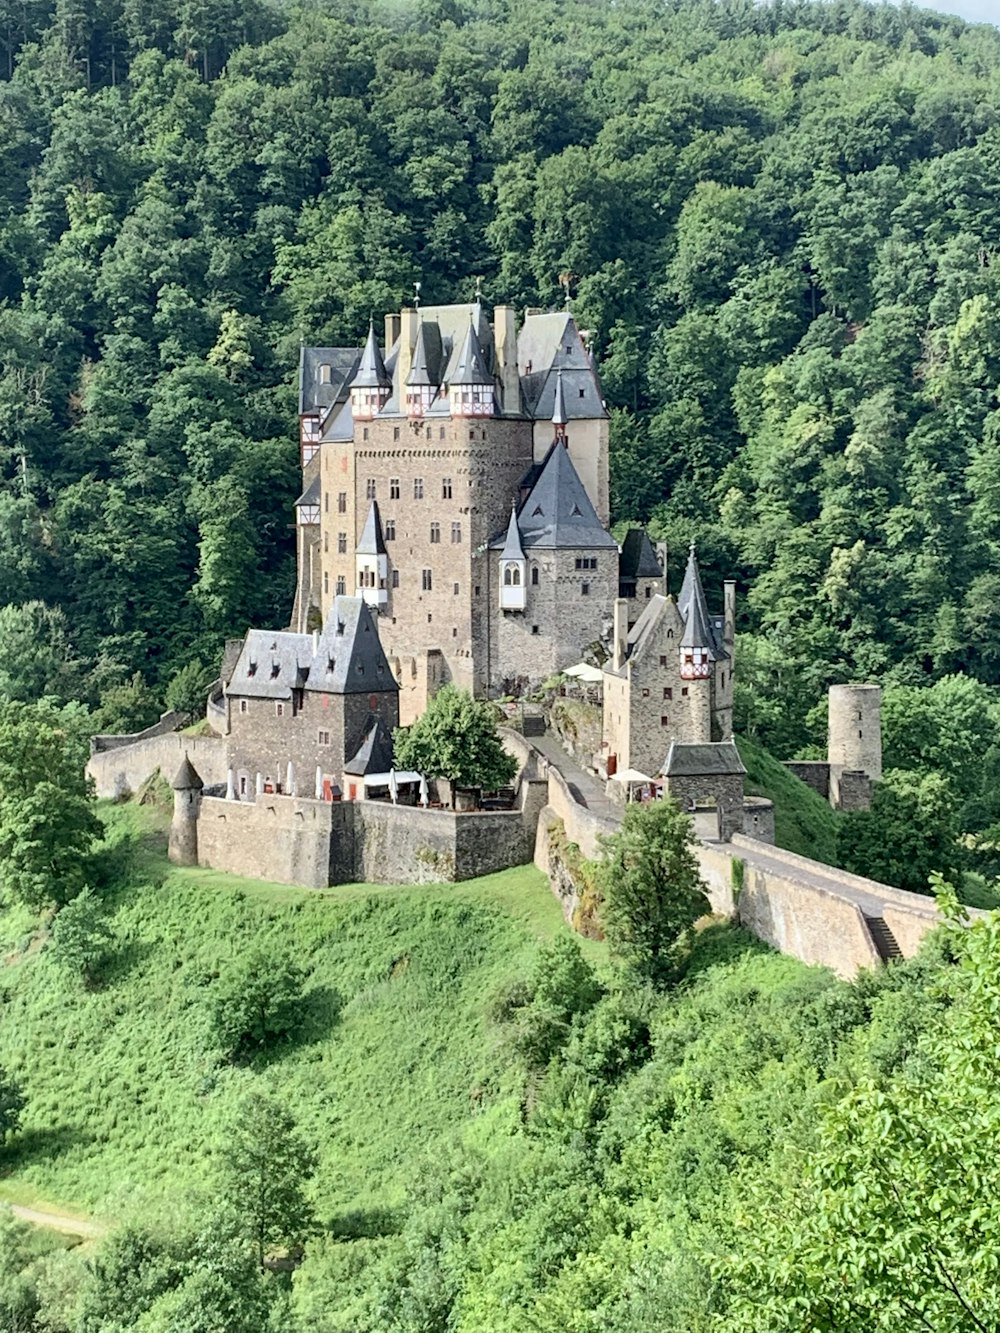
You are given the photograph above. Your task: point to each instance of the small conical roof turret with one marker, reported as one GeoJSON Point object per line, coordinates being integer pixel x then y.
{"type": "Point", "coordinates": [420, 370]}
{"type": "Point", "coordinates": [188, 778]}
{"type": "Point", "coordinates": [694, 608]}
{"type": "Point", "coordinates": [512, 548]}
{"type": "Point", "coordinates": [372, 373]}
{"type": "Point", "coordinates": [372, 541]}
{"type": "Point", "coordinates": [471, 365]}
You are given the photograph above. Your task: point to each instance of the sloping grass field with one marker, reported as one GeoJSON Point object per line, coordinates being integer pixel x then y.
{"type": "Point", "coordinates": [398, 1052]}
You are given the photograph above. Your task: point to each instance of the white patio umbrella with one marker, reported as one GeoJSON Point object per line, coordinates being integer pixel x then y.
{"type": "Point", "coordinates": [393, 785]}
{"type": "Point", "coordinates": [259, 784]}
{"type": "Point", "coordinates": [319, 783]}
{"type": "Point", "coordinates": [290, 780]}
{"type": "Point", "coordinates": [230, 786]}
{"type": "Point", "coordinates": [424, 795]}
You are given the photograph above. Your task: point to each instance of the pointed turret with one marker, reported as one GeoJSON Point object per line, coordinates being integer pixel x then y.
{"type": "Point", "coordinates": [372, 385]}
{"type": "Point", "coordinates": [513, 569]}
{"type": "Point", "coordinates": [471, 386]}
{"type": "Point", "coordinates": [424, 375]}
{"type": "Point", "coordinates": [371, 561]}
{"type": "Point", "coordinates": [559, 411]}
{"type": "Point", "coordinates": [182, 845]}
{"type": "Point", "coordinates": [697, 641]}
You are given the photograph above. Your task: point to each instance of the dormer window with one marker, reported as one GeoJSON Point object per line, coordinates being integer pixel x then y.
{"type": "Point", "coordinates": [275, 670]}
{"type": "Point", "coordinates": [330, 666]}
{"type": "Point", "coordinates": [252, 669]}
{"type": "Point", "coordinates": [324, 373]}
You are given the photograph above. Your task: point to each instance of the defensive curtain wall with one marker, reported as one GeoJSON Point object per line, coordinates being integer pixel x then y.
{"type": "Point", "coordinates": [801, 907]}
{"type": "Point", "coordinates": [120, 765]}
{"type": "Point", "coordinates": [292, 840]}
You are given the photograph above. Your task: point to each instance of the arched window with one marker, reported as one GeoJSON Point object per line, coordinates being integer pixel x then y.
{"type": "Point", "coordinates": [512, 576]}
{"type": "Point", "coordinates": [534, 576]}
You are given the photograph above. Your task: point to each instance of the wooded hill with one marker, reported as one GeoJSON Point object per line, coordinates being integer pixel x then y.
{"type": "Point", "coordinates": [779, 221]}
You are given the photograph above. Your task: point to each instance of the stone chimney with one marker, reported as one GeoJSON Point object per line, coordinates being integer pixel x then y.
{"type": "Point", "coordinates": [391, 331]}
{"type": "Point", "coordinates": [662, 554]}
{"type": "Point", "coordinates": [729, 604]}
{"type": "Point", "coordinates": [409, 322]}
{"type": "Point", "coordinates": [505, 336]}
{"type": "Point", "coordinates": [620, 632]}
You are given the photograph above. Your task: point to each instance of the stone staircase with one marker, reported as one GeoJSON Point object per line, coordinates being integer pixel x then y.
{"type": "Point", "coordinates": [883, 938]}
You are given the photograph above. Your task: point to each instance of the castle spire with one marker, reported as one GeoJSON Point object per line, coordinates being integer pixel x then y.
{"type": "Point", "coordinates": [559, 411]}
{"type": "Point", "coordinates": [371, 386]}
{"type": "Point", "coordinates": [697, 640]}
{"type": "Point", "coordinates": [513, 569]}
{"type": "Point", "coordinates": [471, 386]}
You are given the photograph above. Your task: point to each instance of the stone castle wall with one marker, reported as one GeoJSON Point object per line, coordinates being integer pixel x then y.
{"type": "Point", "coordinates": [119, 773]}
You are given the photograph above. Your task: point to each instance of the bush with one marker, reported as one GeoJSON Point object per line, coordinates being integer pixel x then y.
{"type": "Point", "coordinates": [256, 1003]}
{"type": "Point", "coordinates": [81, 938]}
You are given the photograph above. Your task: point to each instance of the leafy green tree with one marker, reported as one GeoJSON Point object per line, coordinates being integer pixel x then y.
{"type": "Point", "coordinates": [256, 1002]}
{"type": "Point", "coordinates": [37, 660]}
{"type": "Point", "coordinates": [267, 1166]}
{"type": "Point", "coordinates": [12, 1104]}
{"type": "Point", "coordinates": [126, 707]}
{"type": "Point", "coordinates": [188, 689]}
{"type": "Point", "coordinates": [651, 888]}
{"type": "Point", "coordinates": [887, 1223]}
{"type": "Point", "coordinates": [909, 834]}
{"type": "Point", "coordinates": [563, 985]}
{"type": "Point", "coordinates": [47, 823]}
{"type": "Point", "coordinates": [82, 938]}
{"type": "Point", "coordinates": [456, 738]}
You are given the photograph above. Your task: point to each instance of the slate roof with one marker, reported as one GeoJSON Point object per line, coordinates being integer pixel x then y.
{"type": "Point", "coordinates": [639, 557]}
{"type": "Point", "coordinates": [701, 630]}
{"type": "Point", "coordinates": [346, 657]}
{"type": "Point", "coordinates": [512, 549]}
{"type": "Point", "coordinates": [343, 363]}
{"type": "Point", "coordinates": [371, 372]}
{"type": "Point", "coordinates": [375, 753]}
{"type": "Point", "coordinates": [372, 542]}
{"type": "Point", "coordinates": [312, 493]}
{"type": "Point", "coordinates": [546, 344]}
{"type": "Point", "coordinates": [558, 512]}
{"type": "Point", "coordinates": [643, 632]}
{"type": "Point", "coordinates": [188, 777]}
{"type": "Point", "coordinates": [427, 356]}
{"type": "Point", "coordinates": [710, 759]}
{"type": "Point", "coordinates": [470, 366]}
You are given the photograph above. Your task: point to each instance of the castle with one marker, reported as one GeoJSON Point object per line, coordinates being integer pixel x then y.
{"type": "Point", "coordinates": [457, 480]}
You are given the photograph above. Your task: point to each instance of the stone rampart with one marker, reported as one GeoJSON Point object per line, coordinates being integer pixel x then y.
{"type": "Point", "coordinates": [408, 845]}
{"type": "Point", "coordinates": [814, 773]}
{"type": "Point", "coordinates": [119, 772]}
{"type": "Point", "coordinates": [279, 838]}
{"type": "Point", "coordinates": [171, 721]}
{"type": "Point", "coordinates": [810, 923]}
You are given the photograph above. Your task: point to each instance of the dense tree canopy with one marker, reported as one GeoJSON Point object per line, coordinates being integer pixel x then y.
{"type": "Point", "coordinates": [778, 223]}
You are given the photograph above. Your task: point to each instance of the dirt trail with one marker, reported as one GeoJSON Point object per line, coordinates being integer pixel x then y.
{"type": "Point", "coordinates": [56, 1221]}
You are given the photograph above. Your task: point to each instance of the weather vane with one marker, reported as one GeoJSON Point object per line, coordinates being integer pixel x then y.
{"type": "Point", "coordinates": [416, 291]}
{"type": "Point", "coordinates": [479, 287]}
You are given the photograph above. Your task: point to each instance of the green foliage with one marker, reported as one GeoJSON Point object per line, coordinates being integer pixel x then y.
{"type": "Point", "coordinates": [902, 1166]}
{"type": "Point", "coordinates": [127, 707]}
{"type": "Point", "coordinates": [456, 738]}
{"type": "Point", "coordinates": [256, 1002]}
{"type": "Point", "coordinates": [37, 659]}
{"type": "Point", "coordinates": [188, 689]}
{"type": "Point", "coordinates": [266, 1167]}
{"type": "Point", "coordinates": [803, 821]}
{"type": "Point", "coordinates": [563, 985]}
{"type": "Point", "coordinates": [908, 835]}
{"type": "Point", "coordinates": [81, 937]}
{"type": "Point", "coordinates": [651, 888]}
{"type": "Point", "coordinates": [12, 1104]}
{"type": "Point", "coordinates": [47, 821]}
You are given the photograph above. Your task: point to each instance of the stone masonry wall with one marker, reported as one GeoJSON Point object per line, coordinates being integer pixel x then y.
{"type": "Point", "coordinates": [813, 772]}
{"type": "Point", "coordinates": [277, 838]}
{"type": "Point", "coordinates": [119, 773]}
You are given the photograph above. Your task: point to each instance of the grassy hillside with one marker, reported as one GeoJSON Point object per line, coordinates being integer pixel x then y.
{"type": "Point", "coordinates": [803, 821]}
{"type": "Point", "coordinates": [125, 1094]}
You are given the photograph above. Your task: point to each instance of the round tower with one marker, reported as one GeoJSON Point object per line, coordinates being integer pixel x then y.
{"type": "Point", "coordinates": [182, 847]}
{"type": "Point", "coordinates": [855, 729]}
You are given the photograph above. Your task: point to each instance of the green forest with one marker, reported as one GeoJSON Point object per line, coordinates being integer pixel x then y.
{"type": "Point", "coordinates": [433, 1109]}
{"type": "Point", "coordinates": [777, 223]}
